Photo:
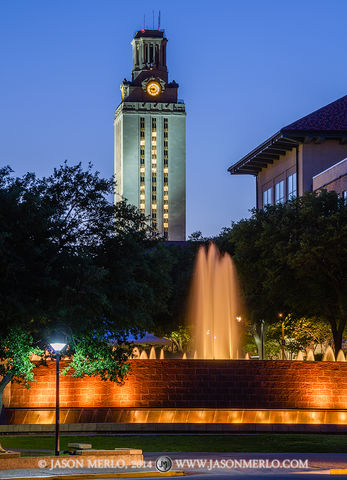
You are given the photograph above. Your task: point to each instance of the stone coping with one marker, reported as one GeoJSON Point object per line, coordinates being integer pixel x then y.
{"type": "Point", "coordinates": [9, 454]}
{"type": "Point", "coordinates": [116, 451]}
{"type": "Point", "coordinates": [113, 459]}
{"type": "Point", "coordinates": [132, 428]}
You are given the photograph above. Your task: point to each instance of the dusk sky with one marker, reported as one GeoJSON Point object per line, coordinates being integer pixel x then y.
{"type": "Point", "coordinates": [245, 69]}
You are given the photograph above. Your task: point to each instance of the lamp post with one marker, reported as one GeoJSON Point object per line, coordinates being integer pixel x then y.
{"type": "Point", "coordinates": [57, 347]}
{"type": "Point", "coordinates": [280, 315]}
{"type": "Point", "coordinates": [262, 338]}
{"type": "Point", "coordinates": [239, 320]}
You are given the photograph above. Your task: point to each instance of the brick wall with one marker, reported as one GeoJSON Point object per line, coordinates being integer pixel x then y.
{"type": "Point", "coordinates": [196, 384]}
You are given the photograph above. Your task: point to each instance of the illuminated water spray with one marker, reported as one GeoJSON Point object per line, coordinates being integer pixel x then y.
{"type": "Point", "coordinates": [215, 306]}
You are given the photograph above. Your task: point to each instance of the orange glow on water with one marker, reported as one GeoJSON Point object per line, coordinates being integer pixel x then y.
{"type": "Point", "coordinates": [215, 306]}
{"type": "Point", "coordinates": [193, 416]}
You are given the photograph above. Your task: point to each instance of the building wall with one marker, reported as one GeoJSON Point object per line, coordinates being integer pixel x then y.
{"type": "Point", "coordinates": [127, 160]}
{"type": "Point", "coordinates": [279, 170]}
{"type": "Point", "coordinates": [177, 177]}
{"type": "Point", "coordinates": [320, 156]}
{"type": "Point", "coordinates": [313, 158]}
{"type": "Point", "coordinates": [196, 384]}
{"type": "Point", "coordinates": [334, 178]}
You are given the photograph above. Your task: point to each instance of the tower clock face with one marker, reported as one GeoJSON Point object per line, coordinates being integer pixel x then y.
{"type": "Point", "coordinates": [153, 88]}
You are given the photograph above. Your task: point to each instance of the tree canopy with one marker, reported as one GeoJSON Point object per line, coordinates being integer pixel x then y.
{"type": "Point", "coordinates": [292, 258]}
{"type": "Point", "coordinates": [73, 262]}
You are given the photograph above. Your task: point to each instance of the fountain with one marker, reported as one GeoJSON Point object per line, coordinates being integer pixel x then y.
{"type": "Point", "coordinates": [215, 307]}
{"type": "Point", "coordinates": [310, 356]}
{"type": "Point", "coordinates": [299, 356]}
{"type": "Point", "coordinates": [340, 356]}
{"type": "Point", "coordinates": [143, 355]}
{"type": "Point", "coordinates": [329, 355]}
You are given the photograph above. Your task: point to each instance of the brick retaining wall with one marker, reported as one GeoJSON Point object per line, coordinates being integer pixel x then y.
{"type": "Point", "coordinates": [196, 384]}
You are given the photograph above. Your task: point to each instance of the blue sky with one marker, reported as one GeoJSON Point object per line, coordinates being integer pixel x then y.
{"type": "Point", "coordinates": [245, 69]}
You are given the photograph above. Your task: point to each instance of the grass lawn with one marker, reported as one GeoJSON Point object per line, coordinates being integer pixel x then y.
{"type": "Point", "coordinates": [276, 443]}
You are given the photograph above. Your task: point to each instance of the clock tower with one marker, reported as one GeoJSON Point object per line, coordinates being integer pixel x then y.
{"type": "Point", "coordinates": [149, 134]}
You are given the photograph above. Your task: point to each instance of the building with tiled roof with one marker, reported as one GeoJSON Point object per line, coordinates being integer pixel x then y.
{"type": "Point", "coordinates": [294, 160]}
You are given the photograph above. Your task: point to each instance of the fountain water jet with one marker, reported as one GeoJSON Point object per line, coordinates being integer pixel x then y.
{"type": "Point", "coordinates": [310, 356]}
{"type": "Point", "coordinates": [143, 355]}
{"type": "Point", "coordinates": [135, 353]}
{"type": "Point", "coordinates": [299, 356]}
{"type": "Point", "coordinates": [340, 356]}
{"type": "Point", "coordinates": [329, 355]}
{"type": "Point", "coordinates": [215, 305]}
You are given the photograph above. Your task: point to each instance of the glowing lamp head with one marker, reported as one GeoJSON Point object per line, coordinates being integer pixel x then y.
{"type": "Point", "coordinates": [153, 88]}
{"type": "Point", "coordinates": [239, 319]}
{"type": "Point", "coordinates": [58, 347]}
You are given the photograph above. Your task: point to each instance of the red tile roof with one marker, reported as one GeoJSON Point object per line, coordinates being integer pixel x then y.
{"type": "Point", "coordinates": [332, 117]}
{"type": "Point", "coordinates": [327, 122]}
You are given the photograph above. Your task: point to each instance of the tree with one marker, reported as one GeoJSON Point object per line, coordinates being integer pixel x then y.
{"type": "Point", "coordinates": [74, 263]}
{"type": "Point", "coordinates": [16, 350]}
{"type": "Point", "coordinates": [181, 338]}
{"type": "Point", "coordinates": [293, 257]}
{"type": "Point", "coordinates": [179, 264]}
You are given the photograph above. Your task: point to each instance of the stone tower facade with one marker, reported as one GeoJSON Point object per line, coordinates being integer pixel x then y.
{"type": "Point", "coordinates": [150, 139]}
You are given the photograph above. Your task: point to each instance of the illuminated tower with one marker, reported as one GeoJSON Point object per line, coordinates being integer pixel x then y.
{"type": "Point", "coordinates": [149, 134]}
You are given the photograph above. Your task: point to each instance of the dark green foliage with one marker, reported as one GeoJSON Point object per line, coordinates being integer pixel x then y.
{"type": "Point", "coordinates": [292, 258]}
{"type": "Point", "coordinates": [73, 263]}
{"type": "Point", "coordinates": [178, 264]}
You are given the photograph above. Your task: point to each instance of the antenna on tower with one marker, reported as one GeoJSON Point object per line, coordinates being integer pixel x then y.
{"type": "Point", "coordinates": [159, 20]}
{"type": "Point", "coordinates": [144, 21]}
{"type": "Point", "coordinates": [153, 18]}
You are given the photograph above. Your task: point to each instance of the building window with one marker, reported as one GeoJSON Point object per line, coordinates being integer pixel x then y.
{"type": "Point", "coordinates": [166, 177]}
{"type": "Point", "coordinates": [291, 186]}
{"type": "Point", "coordinates": [142, 164]}
{"type": "Point", "coordinates": [279, 192]}
{"type": "Point", "coordinates": [267, 197]}
{"type": "Point", "coordinates": [344, 196]}
{"type": "Point", "coordinates": [154, 167]}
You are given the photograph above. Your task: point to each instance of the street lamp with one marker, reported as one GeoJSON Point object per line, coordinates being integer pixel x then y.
{"type": "Point", "coordinates": [262, 338]}
{"type": "Point", "coordinates": [57, 347]}
{"type": "Point", "coordinates": [239, 320]}
{"type": "Point", "coordinates": [280, 315]}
